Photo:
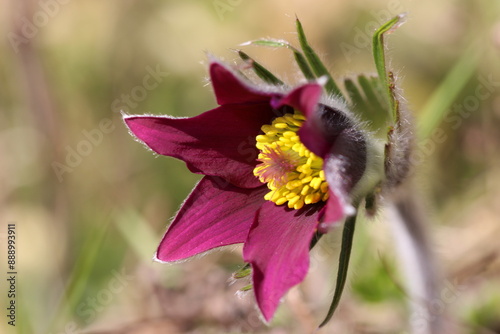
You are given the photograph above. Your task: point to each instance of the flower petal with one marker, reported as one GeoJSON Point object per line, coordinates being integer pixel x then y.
{"type": "Point", "coordinates": [344, 166]}
{"type": "Point", "coordinates": [321, 128]}
{"type": "Point", "coordinates": [278, 250]}
{"type": "Point", "coordinates": [330, 134]}
{"type": "Point", "coordinates": [229, 89]}
{"type": "Point", "coordinates": [219, 142]}
{"type": "Point", "coordinates": [304, 98]}
{"type": "Point", "coordinates": [215, 214]}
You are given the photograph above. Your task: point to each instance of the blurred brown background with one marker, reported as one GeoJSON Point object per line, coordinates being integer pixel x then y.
{"type": "Point", "coordinates": [90, 204]}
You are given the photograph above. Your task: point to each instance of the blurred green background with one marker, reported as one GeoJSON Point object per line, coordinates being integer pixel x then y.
{"type": "Point", "coordinates": [90, 205]}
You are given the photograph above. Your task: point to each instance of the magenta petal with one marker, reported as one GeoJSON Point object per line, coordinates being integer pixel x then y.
{"type": "Point", "coordinates": [278, 250]}
{"type": "Point", "coordinates": [229, 89]}
{"type": "Point", "coordinates": [321, 129]}
{"type": "Point", "coordinates": [336, 209]}
{"type": "Point", "coordinates": [304, 98]}
{"type": "Point", "coordinates": [215, 214]}
{"type": "Point", "coordinates": [219, 142]}
{"type": "Point", "coordinates": [344, 166]}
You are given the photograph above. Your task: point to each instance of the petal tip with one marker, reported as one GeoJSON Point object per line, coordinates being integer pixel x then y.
{"type": "Point", "coordinates": [304, 98]}
{"type": "Point", "coordinates": [215, 64]}
{"type": "Point", "coordinates": [124, 115]}
{"type": "Point", "coordinates": [349, 210]}
{"type": "Point", "coordinates": [232, 88]}
{"type": "Point", "coordinates": [322, 80]}
{"type": "Point", "coordinates": [156, 259]}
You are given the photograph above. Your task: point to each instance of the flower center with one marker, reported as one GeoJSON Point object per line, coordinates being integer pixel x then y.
{"type": "Point", "coordinates": [292, 172]}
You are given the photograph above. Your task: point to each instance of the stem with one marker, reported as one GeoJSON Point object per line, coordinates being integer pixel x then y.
{"type": "Point", "coordinates": [416, 257]}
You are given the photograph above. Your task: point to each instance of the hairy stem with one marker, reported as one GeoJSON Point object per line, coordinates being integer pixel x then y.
{"type": "Point", "coordinates": [417, 262]}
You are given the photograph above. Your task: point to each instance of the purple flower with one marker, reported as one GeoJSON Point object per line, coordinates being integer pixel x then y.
{"type": "Point", "coordinates": [278, 167]}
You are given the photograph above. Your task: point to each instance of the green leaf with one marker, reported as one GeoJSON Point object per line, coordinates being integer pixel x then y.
{"type": "Point", "coordinates": [385, 76]}
{"type": "Point", "coordinates": [299, 57]}
{"type": "Point", "coordinates": [345, 255]}
{"type": "Point", "coordinates": [243, 272]}
{"type": "Point", "coordinates": [260, 70]}
{"type": "Point", "coordinates": [357, 99]}
{"type": "Point", "coordinates": [367, 100]}
{"type": "Point", "coordinates": [303, 65]}
{"type": "Point", "coordinates": [317, 66]}
{"type": "Point", "coordinates": [269, 43]}
{"type": "Point", "coordinates": [372, 95]}
{"type": "Point", "coordinates": [438, 105]}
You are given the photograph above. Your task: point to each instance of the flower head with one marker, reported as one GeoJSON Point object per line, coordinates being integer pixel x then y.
{"type": "Point", "coordinates": [278, 166]}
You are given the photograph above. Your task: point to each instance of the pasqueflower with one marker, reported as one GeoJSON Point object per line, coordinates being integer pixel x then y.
{"type": "Point", "coordinates": [279, 165]}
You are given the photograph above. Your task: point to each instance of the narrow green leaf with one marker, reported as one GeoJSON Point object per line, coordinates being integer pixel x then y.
{"type": "Point", "coordinates": [438, 105]}
{"type": "Point", "coordinates": [367, 100]}
{"type": "Point", "coordinates": [317, 66]}
{"type": "Point", "coordinates": [303, 65]}
{"type": "Point", "coordinates": [260, 70]}
{"type": "Point", "coordinates": [378, 88]}
{"type": "Point", "coordinates": [299, 57]}
{"type": "Point", "coordinates": [269, 43]}
{"type": "Point", "coordinates": [357, 99]}
{"type": "Point", "coordinates": [379, 57]}
{"type": "Point", "coordinates": [243, 272]}
{"type": "Point", "coordinates": [345, 254]}
{"type": "Point", "coordinates": [370, 92]}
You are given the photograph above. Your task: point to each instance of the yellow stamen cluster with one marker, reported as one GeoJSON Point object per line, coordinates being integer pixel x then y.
{"type": "Point", "coordinates": [292, 172]}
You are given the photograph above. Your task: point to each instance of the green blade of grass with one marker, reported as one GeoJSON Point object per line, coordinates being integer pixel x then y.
{"type": "Point", "coordinates": [80, 275]}
{"type": "Point", "coordinates": [438, 105]}
{"type": "Point", "coordinates": [315, 63]}
{"type": "Point", "coordinates": [141, 238]}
